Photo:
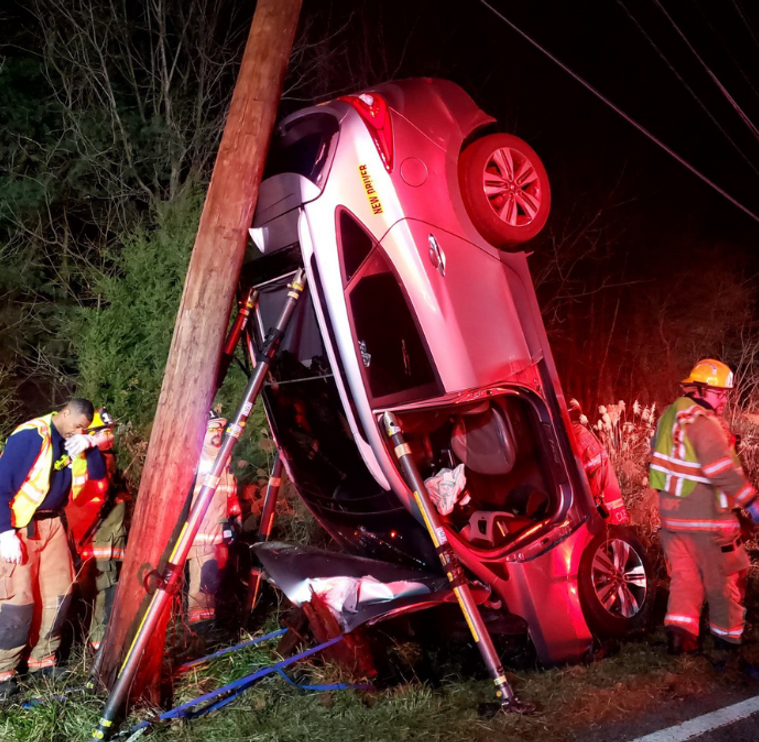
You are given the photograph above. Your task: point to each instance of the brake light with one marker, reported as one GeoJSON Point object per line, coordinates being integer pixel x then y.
{"type": "Point", "coordinates": [376, 115]}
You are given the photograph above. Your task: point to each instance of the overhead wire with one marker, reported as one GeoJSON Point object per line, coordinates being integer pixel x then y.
{"type": "Point", "coordinates": [693, 93]}
{"type": "Point", "coordinates": [618, 110]}
{"type": "Point", "coordinates": [746, 21]}
{"type": "Point", "coordinates": [744, 116]}
{"type": "Point", "coordinates": [726, 48]}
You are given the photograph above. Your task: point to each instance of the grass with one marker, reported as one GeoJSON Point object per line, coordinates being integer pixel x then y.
{"type": "Point", "coordinates": [571, 699]}
{"type": "Point", "coordinates": [421, 702]}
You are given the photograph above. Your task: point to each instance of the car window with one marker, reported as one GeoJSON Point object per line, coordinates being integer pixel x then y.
{"type": "Point", "coordinates": [303, 147]}
{"type": "Point", "coordinates": [355, 243]}
{"type": "Point", "coordinates": [391, 351]}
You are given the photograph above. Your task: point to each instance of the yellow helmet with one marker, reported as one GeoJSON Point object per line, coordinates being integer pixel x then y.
{"type": "Point", "coordinates": [710, 372]}
{"type": "Point", "coordinates": [101, 419]}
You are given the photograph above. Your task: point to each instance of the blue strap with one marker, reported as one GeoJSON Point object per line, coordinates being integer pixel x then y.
{"type": "Point", "coordinates": [222, 652]}
{"type": "Point", "coordinates": [330, 686]}
{"type": "Point", "coordinates": [234, 688]}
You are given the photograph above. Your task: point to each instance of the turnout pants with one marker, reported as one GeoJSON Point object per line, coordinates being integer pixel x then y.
{"type": "Point", "coordinates": [706, 566]}
{"type": "Point", "coordinates": [205, 565]}
{"type": "Point", "coordinates": [97, 586]}
{"type": "Point", "coordinates": [34, 598]}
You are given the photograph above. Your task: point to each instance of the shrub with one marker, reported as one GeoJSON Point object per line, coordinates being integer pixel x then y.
{"type": "Point", "coordinates": [123, 338]}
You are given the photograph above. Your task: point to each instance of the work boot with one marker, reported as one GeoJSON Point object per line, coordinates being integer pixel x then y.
{"type": "Point", "coordinates": [725, 655]}
{"type": "Point", "coordinates": [8, 688]}
{"type": "Point", "coordinates": [680, 641]}
{"type": "Point", "coordinates": [727, 647]}
{"type": "Point", "coordinates": [54, 672]}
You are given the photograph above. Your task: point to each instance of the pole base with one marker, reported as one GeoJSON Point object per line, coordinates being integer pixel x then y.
{"type": "Point", "coordinates": [515, 706]}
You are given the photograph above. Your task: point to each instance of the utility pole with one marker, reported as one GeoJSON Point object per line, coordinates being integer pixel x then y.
{"type": "Point", "coordinates": [191, 370]}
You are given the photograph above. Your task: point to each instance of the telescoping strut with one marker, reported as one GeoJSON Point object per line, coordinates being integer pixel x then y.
{"type": "Point", "coordinates": [171, 577]}
{"type": "Point", "coordinates": [264, 531]}
{"type": "Point", "coordinates": [452, 567]}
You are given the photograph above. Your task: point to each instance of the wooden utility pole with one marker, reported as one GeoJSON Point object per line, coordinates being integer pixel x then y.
{"type": "Point", "coordinates": [189, 381]}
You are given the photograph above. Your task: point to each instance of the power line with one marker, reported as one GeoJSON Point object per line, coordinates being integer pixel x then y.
{"type": "Point", "coordinates": [625, 116]}
{"type": "Point", "coordinates": [703, 106]}
{"type": "Point", "coordinates": [726, 47]}
{"type": "Point", "coordinates": [744, 117]}
{"type": "Point", "coordinates": [747, 23]}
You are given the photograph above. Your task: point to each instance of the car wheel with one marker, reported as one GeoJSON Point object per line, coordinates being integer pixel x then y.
{"type": "Point", "coordinates": [615, 582]}
{"type": "Point", "coordinates": [505, 189]}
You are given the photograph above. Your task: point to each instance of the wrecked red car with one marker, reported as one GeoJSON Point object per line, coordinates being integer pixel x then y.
{"type": "Point", "coordinates": [407, 209]}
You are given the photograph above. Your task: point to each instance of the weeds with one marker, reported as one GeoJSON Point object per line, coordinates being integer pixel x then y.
{"type": "Point", "coordinates": [571, 699]}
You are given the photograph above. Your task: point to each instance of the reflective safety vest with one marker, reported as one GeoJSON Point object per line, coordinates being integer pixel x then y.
{"type": "Point", "coordinates": [34, 490]}
{"type": "Point", "coordinates": [675, 469]}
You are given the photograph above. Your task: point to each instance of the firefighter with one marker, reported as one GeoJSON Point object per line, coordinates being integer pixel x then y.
{"type": "Point", "coordinates": [208, 554]}
{"type": "Point", "coordinates": [701, 486]}
{"type": "Point", "coordinates": [45, 461]}
{"type": "Point", "coordinates": [96, 522]}
{"type": "Point", "coordinates": [604, 485]}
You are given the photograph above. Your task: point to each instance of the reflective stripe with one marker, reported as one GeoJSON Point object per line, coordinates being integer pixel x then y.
{"type": "Point", "coordinates": [735, 631]}
{"type": "Point", "coordinates": [687, 466]}
{"type": "Point", "coordinates": [745, 494]}
{"type": "Point", "coordinates": [670, 471]}
{"type": "Point", "coordinates": [672, 619]}
{"type": "Point", "coordinates": [593, 463]}
{"type": "Point", "coordinates": [618, 503]}
{"type": "Point", "coordinates": [7, 675]}
{"type": "Point", "coordinates": [200, 614]}
{"type": "Point", "coordinates": [680, 524]}
{"type": "Point", "coordinates": [96, 645]}
{"type": "Point", "coordinates": [97, 552]}
{"type": "Point", "coordinates": [718, 466]}
{"type": "Point", "coordinates": [48, 661]}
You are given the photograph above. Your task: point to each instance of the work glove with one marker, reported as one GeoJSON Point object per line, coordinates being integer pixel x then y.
{"type": "Point", "coordinates": [753, 511]}
{"type": "Point", "coordinates": [10, 547]}
{"type": "Point", "coordinates": [78, 443]}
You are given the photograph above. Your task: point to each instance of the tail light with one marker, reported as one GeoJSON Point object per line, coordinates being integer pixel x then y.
{"type": "Point", "coordinates": [376, 115]}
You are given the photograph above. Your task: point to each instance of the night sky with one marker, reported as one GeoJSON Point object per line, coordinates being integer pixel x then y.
{"type": "Point", "coordinates": [626, 217]}
{"type": "Point", "coordinates": [651, 217]}
{"type": "Point", "coordinates": [580, 138]}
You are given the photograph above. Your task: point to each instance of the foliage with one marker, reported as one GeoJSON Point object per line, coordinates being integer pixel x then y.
{"type": "Point", "coordinates": [123, 339]}
{"type": "Point", "coordinates": [8, 405]}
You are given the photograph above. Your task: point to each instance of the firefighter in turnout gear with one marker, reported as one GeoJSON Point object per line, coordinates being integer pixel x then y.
{"type": "Point", "coordinates": [701, 484]}
{"type": "Point", "coordinates": [45, 461]}
{"type": "Point", "coordinates": [96, 523]}
{"type": "Point", "coordinates": [208, 555]}
{"type": "Point", "coordinates": [604, 485]}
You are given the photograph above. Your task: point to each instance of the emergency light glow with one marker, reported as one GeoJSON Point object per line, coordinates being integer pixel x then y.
{"type": "Point", "coordinates": [375, 114]}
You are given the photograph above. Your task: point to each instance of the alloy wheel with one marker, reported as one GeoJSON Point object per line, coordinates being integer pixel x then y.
{"type": "Point", "coordinates": [511, 184]}
{"type": "Point", "coordinates": [619, 578]}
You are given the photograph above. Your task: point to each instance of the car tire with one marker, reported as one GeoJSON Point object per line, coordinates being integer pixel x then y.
{"type": "Point", "coordinates": [615, 583]}
{"type": "Point", "coordinates": [505, 189]}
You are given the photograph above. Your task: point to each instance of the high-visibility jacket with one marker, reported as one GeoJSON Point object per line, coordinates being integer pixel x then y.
{"type": "Point", "coordinates": [35, 487]}
{"type": "Point", "coordinates": [223, 504]}
{"type": "Point", "coordinates": [696, 471]}
{"type": "Point", "coordinates": [675, 468]}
